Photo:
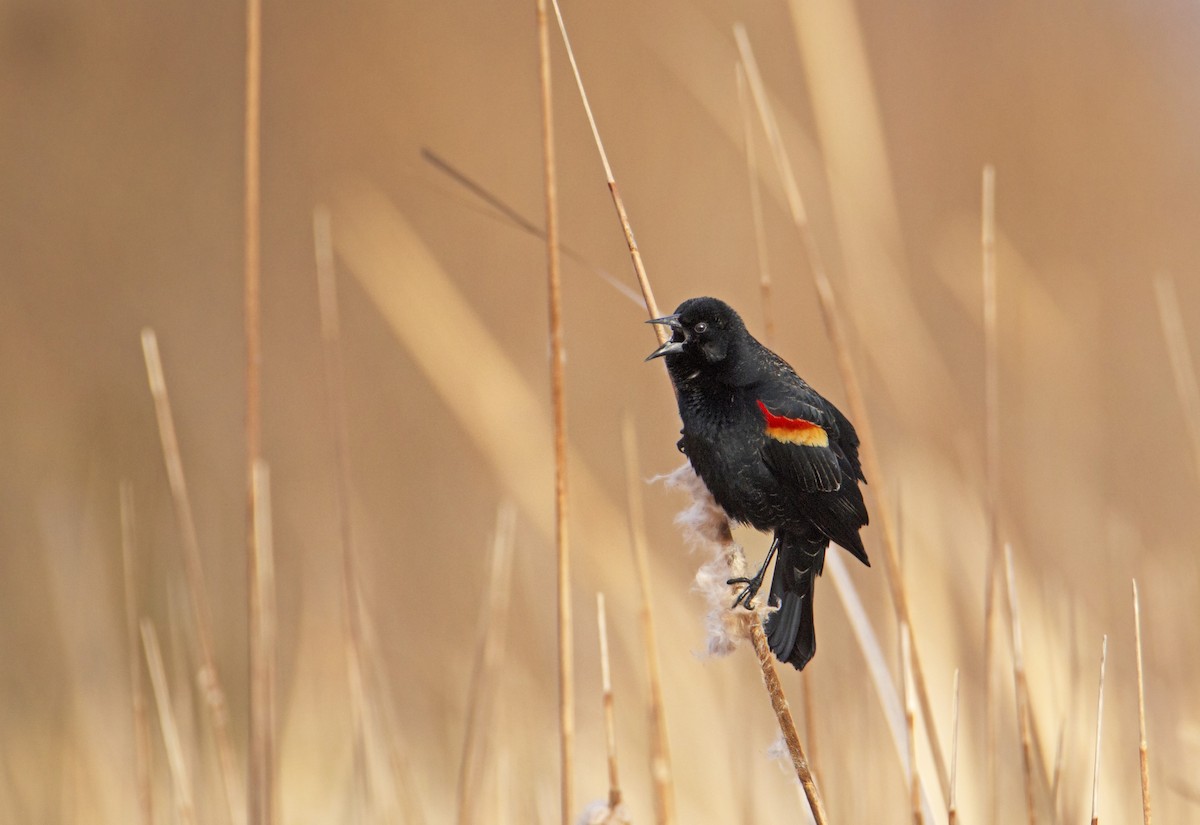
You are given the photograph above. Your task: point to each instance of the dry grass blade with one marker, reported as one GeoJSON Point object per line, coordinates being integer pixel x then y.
{"type": "Point", "coordinates": [209, 677]}
{"type": "Point", "coordinates": [335, 395]}
{"type": "Point", "coordinates": [952, 802]}
{"type": "Point", "coordinates": [854, 396]}
{"type": "Point", "coordinates": [264, 655]}
{"type": "Point", "coordinates": [1021, 689]}
{"type": "Point", "coordinates": [181, 779]}
{"type": "Point", "coordinates": [566, 684]}
{"type": "Point", "coordinates": [1182, 365]}
{"type": "Point", "coordinates": [141, 724]}
{"type": "Point", "coordinates": [638, 267]}
{"type": "Point", "coordinates": [1099, 720]}
{"type": "Point", "coordinates": [485, 673]}
{"type": "Point", "coordinates": [660, 754]}
{"type": "Point", "coordinates": [910, 712]}
{"type": "Point", "coordinates": [610, 722]}
{"type": "Point", "coordinates": [1143, 753]}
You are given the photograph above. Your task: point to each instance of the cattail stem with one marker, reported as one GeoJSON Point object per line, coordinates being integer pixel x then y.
{"type": "Point", "coordinates": [141, 724]}
{"type": "Point", "coordinates": [1143, 755]}
{"type": "Point", "coordinates": [1099, 721]}
{"type": "Point", "coordinates": [181, 779]}
{"type": "Point", "coordinates": [1021, 689]}
{"type": "Point", "coordinates": [610, 724]}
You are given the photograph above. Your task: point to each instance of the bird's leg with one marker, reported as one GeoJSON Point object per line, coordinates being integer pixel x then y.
{"type": "Point", "coordinates": [753, 583]}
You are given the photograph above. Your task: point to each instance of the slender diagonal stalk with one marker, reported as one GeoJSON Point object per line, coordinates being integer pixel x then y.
{"type": "Point", "coordinates": [1143, 753]}
{"type": "Point", "coordinates": [610, 719]}
{"type": "Point", "coordinates": [952, 802]}
{"type": "Point", "coordinates": [181, 780]}
{"type": "Point", "coordinates": [566, 680]}
{"type": "Point", "coordinates": [910, 712]}
{"type": "Point", "coordinates": [263, 671]}
{"type": "Point", "coordinates": [1182, 365]}
{"type": "Point", "coordinates": [1021, 689]}
{"type": "Point", "coordinates": [209, 677]}
{"type": "Point", "coordinates": [856, 401]}
{"type": "Point", "coordinates": [141, 723]}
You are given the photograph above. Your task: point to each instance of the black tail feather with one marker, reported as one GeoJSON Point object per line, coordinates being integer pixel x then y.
{"type": "Point", "coordinates": [791, 632]}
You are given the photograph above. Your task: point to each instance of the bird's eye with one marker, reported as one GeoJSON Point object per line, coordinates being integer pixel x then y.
{"type": "Point", "coordinates": [700, 328]}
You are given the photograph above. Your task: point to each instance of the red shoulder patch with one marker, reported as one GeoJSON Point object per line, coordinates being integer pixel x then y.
{"type": "Point", "coordinates": [793, 430]}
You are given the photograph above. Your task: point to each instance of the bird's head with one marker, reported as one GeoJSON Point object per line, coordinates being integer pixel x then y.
{"type": "Point", "coordinates": [705, 334]}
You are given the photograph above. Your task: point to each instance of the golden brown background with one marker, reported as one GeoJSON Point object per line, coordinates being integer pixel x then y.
{"type": "Point", "coordinates": [121, 181]}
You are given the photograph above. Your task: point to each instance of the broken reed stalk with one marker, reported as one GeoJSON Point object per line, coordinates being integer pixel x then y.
{"type": "Point", "coordinates": [1021, 688]}
{"type": "Point", "coordinates": [856, 402]}
{"type": "Point", "coordinates": [638, 267]}
{"type": "Point", "coordinates": [181, 780]}
{"type": "Point", "coordinates": [263, 671]}
{"type": "Point", "coordinates": [208, 677]}
{"type": "Point", "coordinates": [485, 672]}
{"type": "Point", "coordinates": [660, 755]}
{"type": "Point", "coordinates": [141, 724]}
{"type": "Point", "coordinates": [335, 397]}
{"type": "Point", "coordinates": [1099, 720]}
{"type": "Point", "coordinates": [1182, 366]}
{"type": "Point", "coordinates": [1143, 754]}
{"type": "Point", "coordinates": [566, 678]}
{"type": "Point", "coordinates": [991, 372]}
{"type": "Point", "coordinates": [910, 713]}
{"type": "Point", "coordinates": [758, 637]}
{"type": "Point", "coordinates": [610, 723]}
{"type": "Point", "coordinates": [952, 802]}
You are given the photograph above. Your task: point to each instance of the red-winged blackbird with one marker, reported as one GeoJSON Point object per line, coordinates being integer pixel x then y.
{"type": "Point", "coordinates": [773, 453]}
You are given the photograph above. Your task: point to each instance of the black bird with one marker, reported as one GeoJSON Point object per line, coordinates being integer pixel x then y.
{"type": "Point", "coordinates": [773, 453]}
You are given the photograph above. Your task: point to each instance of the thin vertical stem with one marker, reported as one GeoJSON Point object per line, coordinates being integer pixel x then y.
{"type": "Point", "coordinates": [181, 779]}
{"type": "Point", "coordinates": [760, 233]}
{"type": "Point", "coordinates": [610, 723]}
{"type": "Point", "coordinates": [141, 724]}
{"type": "Point", "coordinates": [263, 642]}
{"type": "Point", "coordinates": [1099, 721]}
{"type": "Point", "coordinates": [1143, 754]}
{"type": "Point", "coordinates": [660, 754]}
{"type": "Point", "coordinates": [952, 804]}
{"type": "Point", "coordinates": [910, 713]}
{"type": "Point", "coordinates": [566, 678]}
{"type": "Point", "coordinates": [1021, 689]}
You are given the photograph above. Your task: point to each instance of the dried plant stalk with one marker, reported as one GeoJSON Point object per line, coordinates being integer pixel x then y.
{"type": "Point", "coordinates": [952, 802]}
{"type": "Point", "coordinates": [610, 723]}
{"type": "Point", "coordinates": [335, 396]}
{"type": "Point", "coordinates": [1021, 688]}
{"type": "Point", "coordinates": [209, 677]}
{"type": "Point", "coordinates": [263, 651]}
{"type": "Point", "coordinates": [910, 713]}
{"type": "Point", "coordinates": [141, 723]}
{"type": "Point", "coordinates": [1099, 720]}
{"type": "Point", "coordinates": [660, 754]}
{"type": "Point", "coordinates": [1143, 754]}
{"type": "Point", "coordinates": [760, 230]}
{"type": "Point", "coordinates": [566, 679]}
{"type": "Point", "coordinates": [181, 779]}
{"type": "Point", "coordinates": [854, 396]}
{"type": "Point", "coordinates": [1182, 365]}
{"type": "Point", "coordinates": [485, 673]}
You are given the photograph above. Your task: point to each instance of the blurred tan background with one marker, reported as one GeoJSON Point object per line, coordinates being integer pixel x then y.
{"type": "Point", "coordinates": [121, 174]}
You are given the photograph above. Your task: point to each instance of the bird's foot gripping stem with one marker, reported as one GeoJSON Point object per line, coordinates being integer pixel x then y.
{"type": "Point", "coordinates": [753, 583]}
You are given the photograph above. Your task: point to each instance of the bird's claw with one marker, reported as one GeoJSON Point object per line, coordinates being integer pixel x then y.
{"type": "Point", "coordinates": [746, 596]}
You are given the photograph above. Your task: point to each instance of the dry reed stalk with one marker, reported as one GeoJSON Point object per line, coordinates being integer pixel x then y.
{"type": "Point", "coordinates": [1056, 778]}
{"type": "Point", "coordinates": [485, 672]}
{"type": "Point", "coordinates": [181, 780]}
{"type": "Point", "coordinates": [335, 397]}
{"type": "Point", "coordinates": [952, 801]}
{"type": "Point", "coordinates": [610, 721]}
{"type": "Point", "coordinates": [141, 724]}
{"type": "Point", "coordinates": [638, 267]}
{"type": "Point", "coordinates": [1143, 754]}
{"type": "Point", "coordinates": [1099, 719]}
{"type": "Point", "coordinates": [856, 401]}
{"type": "Point", "coordinates": [660, 754]}
{"type": "Point", "coordinates": [760, 230]}
{"type": "Point", "coordinates": [991, 372]}
{"type": "Point", "coordinates": [209, 678]}
{"type": "Point", "coordinates": [263, 669]}
{"type": "Point", "coordinates": [910, 713]}
{"type": "Point", "coordinates": [260, 792]}
{"type": "Point", "coordinates": [566, 677]}
{"type": "Point", "coordinates": [1021, 688]}
{"type": "Point", "coordinates": [758, 637]}
{"type": "Point", "coordinates": [1182, 365]}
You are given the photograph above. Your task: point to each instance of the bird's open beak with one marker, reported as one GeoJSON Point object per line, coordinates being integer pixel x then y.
{"type": "Point", "coordinates": [676, 342]}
